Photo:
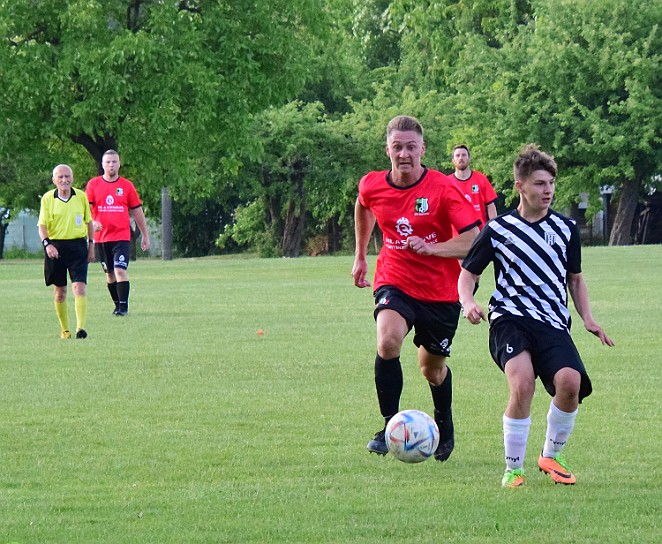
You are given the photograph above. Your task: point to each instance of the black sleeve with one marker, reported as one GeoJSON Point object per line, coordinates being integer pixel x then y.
{"type": "Point", "coordinates": [574, 250]}
{"type": "Point", "coordinates": [481, 253]}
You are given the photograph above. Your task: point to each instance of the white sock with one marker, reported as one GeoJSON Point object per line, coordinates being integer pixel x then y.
{"type": "Point", "coordinates": [559, 427]}
{"type": "Point", "coordinates": [515, 435]}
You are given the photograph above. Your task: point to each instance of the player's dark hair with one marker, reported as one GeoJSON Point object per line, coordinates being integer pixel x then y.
{"type": "Point", "coordinates": [461, 146]}
{"type": "Point", "coordinates": [404, 123]}
{"type": "Point", "coordinates": [530, 159]}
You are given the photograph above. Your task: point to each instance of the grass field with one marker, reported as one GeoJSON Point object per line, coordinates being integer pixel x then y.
{"type": "Point", "coordinates": [180, 424]}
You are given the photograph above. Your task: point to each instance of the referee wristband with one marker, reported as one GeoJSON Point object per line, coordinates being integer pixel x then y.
{"type": "Point", "coordinates": [46, 242]}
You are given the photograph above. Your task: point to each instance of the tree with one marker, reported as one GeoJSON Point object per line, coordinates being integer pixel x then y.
{"type": "Point", "coordinates": [434, 34]}
{"type": "Point", "coordinates": [582, 79]}
{"type": "Point", "coordinates": [171, 84]}
{"type": "Point", "coordinates": [293, 180]}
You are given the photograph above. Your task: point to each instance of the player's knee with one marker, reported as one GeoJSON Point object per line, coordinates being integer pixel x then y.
{"type": "Point", "coordinates": [567, 382]}
{"type": "Point", "coordinates": [389, 347]}
{"type": "Point", "coordinates": [432, 374]}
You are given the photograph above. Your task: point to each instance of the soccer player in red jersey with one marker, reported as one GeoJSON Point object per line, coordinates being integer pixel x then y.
{"type": "Point", "coordinates": [114, 200]}
{"type": "Point", "coordinates": [475, 184]}
{"type": "Point", "coordinates": [415, 284]}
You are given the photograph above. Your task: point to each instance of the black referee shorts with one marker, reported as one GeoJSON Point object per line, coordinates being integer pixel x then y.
{"type": "Point", "coordinates": [73, 259]}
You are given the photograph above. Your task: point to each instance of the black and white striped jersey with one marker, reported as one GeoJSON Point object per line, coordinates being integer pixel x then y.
{"type": "Point", "coordinates": [531, 263]}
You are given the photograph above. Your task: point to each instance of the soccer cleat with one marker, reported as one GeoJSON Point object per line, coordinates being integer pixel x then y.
{"type": "Point", "coordinates": [557, 468]}
{"type": "Point", "coordinates": [121, 313]}
{"type": "Point", "coordinates": [446, 435]}
{"type": "Point", "coordinates": [122, 309]}
{"type": "Point", "coordinates": [513, 477]}
{"type": "Point", "coordinates": [66, 335]}
{"type": "Point", "coordinates": [81, 333]}
{"type": "Point", "coordinates": [378, 444]}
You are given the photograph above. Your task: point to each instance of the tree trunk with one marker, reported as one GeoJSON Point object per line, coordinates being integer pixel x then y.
{"type": "Point", "coordinates": [97, 146]}
{"type": "Point", "coordinates": [621, 232]}
{"type": "Point", "coordinates": [294, 226]}
{"type": "Point", "coordinates": [3, 233]}
{"type": "Point", "coordinates": [295, 217]}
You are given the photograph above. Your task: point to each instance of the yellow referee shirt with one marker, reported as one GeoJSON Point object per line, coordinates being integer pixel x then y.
{"type": "Point", "coordinates": [65, 220]}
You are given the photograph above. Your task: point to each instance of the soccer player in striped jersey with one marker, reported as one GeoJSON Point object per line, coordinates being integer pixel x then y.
{"type": "Point", "coordinates": [537, 259]}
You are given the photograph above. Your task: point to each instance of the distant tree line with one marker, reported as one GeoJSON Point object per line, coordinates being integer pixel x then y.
{"type": "Point", "coordinates": [261, 116]}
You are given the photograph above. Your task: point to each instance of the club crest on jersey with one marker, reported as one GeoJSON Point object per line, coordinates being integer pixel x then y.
{"type": "Point", "coordinates": [403, 227]}
{"type": "Point", "coordinates": [119, 191]}
{"type": "Point", "coordinates": [474, 188]}
{"type": "Point", "coordinates": [422, 205]}
{"type": "Point", "coordinates": [550, 238]}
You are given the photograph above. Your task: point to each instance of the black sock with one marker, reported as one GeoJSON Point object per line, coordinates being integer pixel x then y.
{"type": "Point", "coordinates": [388, 381]}
{"type": "Point", "coordinates": [123, 294]}
{"type": "Point", "coordinates": [442, 395]}
{"type": "Point", "coordinates": [112, 289]}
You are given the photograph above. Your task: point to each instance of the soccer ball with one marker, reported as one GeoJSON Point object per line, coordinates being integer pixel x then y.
{"type": "Point", "coordinates": [412, 436]}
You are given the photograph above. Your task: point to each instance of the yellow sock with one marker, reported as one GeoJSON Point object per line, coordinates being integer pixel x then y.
{"type": "Point", "coordinates": [81, 311]}
{"type": "Point", "coordinates": [62, 315]}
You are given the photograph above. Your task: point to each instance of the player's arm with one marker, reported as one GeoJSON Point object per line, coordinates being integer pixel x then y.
{"type": "Point", "coordinates": [455, 248]}
{"type": "Point", "coordinates": [139, 217]}
{"type": "Point", "coordinates": [465, 287]}
{"type": "Point", "coordinates": [579, 293]}
{"type": "Point", "coordinates": [491, 210]}
{"type": "Point", "coordinates": [364, 222]}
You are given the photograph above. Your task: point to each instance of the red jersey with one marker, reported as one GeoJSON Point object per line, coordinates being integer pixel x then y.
{"type": "Point", "coordinates": [111, 202]}
{"type": "Point", "coordinates": [430, 209]}
{"type": "Point", "coordinates": [479, 188]}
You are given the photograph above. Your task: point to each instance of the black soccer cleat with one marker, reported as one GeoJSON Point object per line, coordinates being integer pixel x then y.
{"type": "Point", "coordinates": [378, 444]}
{"type": "Point", "coordinates": [446, 435]}
{"type": "Point", "coordinates": [81, 333]}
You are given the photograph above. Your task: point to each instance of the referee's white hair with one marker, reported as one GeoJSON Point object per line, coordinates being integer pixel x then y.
{"type": "Point", "coordinates": [63, 166]}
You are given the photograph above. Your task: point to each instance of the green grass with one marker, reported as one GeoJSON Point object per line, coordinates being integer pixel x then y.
{"type": "Point", "coordinates": [179, 424]}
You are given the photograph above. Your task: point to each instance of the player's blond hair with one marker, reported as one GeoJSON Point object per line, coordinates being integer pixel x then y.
{"type": "Point", "coordinates": [404, 123]}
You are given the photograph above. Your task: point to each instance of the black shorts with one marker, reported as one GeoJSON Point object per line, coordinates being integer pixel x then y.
{"type": "Point", "coordinates": [113, 255]}
{"type": "Point", "coordinates": [551, 349]}
{"type": "Point", "coordinates": [434, 323]}
{"type": "Point", "coordinates": [73, 259]}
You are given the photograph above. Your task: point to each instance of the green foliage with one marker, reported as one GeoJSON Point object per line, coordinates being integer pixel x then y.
{"type": "Point", "coordinates": [170, 84]}
{"type": "Point", "coordinates": [203, 431]}
{"type": "Point", "coordinates": [294, 180]}
{"type": "Point", "coordinates": [247, 231]}
{"type": "Point", "coordinates": [434, 34]}
{"type": "Point", "coordinates": [201, 96]}
{"type": "Point", "coordinates": [584, 82]}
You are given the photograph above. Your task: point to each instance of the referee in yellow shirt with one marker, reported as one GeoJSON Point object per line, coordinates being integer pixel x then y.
{"type": "Point", "coordinates": [66, 232]}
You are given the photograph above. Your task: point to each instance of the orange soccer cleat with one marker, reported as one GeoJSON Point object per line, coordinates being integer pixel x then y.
{"type": "Point", "coordinates": [557, 468]}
